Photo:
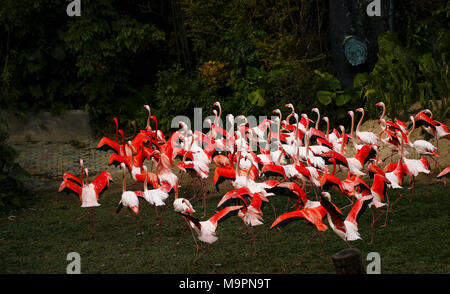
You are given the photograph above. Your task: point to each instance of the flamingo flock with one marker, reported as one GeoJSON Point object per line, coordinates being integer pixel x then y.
{"type": "Point", "coordinates": [290, 157]}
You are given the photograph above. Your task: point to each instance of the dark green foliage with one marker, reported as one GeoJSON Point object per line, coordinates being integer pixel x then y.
{"type": "Point", "coordinates": [118, 56]}
{"type": "Point", "coordinates": [13, 194]}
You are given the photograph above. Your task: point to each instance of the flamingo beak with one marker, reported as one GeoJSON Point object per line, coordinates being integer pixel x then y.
{"type": "Point", "coordinates": [135, 209]}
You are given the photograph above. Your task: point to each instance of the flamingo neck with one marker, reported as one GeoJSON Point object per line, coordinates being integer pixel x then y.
{"type": "Point", "coordinates": [360, 121]}
{"type": "Point", "coordinates": [384, 112]}
{"type": "Point", "coordinates": [124, 181]}
{"type": "Point", "coordinates": [318, 120]}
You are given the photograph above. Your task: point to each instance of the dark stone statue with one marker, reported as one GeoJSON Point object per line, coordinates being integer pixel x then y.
{"type": "Point", "coordinates": [354, 34]}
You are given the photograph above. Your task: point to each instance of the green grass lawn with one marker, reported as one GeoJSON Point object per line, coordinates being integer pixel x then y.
{"type": "Point", "coordinates": [416, 239]}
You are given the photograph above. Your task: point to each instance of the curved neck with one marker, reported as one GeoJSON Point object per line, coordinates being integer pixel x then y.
{"type": "Point", "coordinates": [352, 133]}
{"type": "Point", "coordinates": [360, 121]}
{"type": "Point", "coordinates": [411, 131]}
{"type": "Point", "coordinates": [289, 116]}
{"type": "Point", "coordinates": [124, 181]}
{"type": "Point", "coordinates": [148, 118]}
{"type": "Point", "coordinates": [117, 130]}
{"type": "Point", "coordinates": [328, 130]}
{"type": "Point", "coordinates": [82, 173]}
{"type": "Point", "coordinates": [146, 180]}
{"type": "Point", "coordinates": [343, 142]}
{"type": "Point", "coordinates": [238, 158]}
{"type": "Point", "coordinates": [318, 120]}
{"type": "Point", "coordinates": [384, 111]}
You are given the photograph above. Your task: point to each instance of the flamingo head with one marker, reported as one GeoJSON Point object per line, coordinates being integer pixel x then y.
{"type": "Point", "coordinates": [147, 107]}
{"type": "Point", "coordinates": [427, 111]}
{"type": "Point", "coordinates": [122, 165]}
{"type": "Point", "coordinates": [208, 121]}
{"type": "Point", "coordinates": [81, 162]}
{"type": "Point", "coordinates": [135, 209]}
{"type": "Point", "coordinates": [351, 113]}
{"type": "Point", "coordinates": [217, 103]}
{"type": "Point", "coordinates": [296, 116]}
{"type": "Point", "coordinates": [289, 105]}
{"type": "Point", "coordinates": [277, 111]}
{"type": "Point", "coordinates": [189, 209]}
{"type": "Point", "coordinates": [326, 195]}
{"type": "Point", "coordinates": [315, 110]}
{"type": "Point", "coordinates": [241, 117]}
{"type": "Point", "coordinates": [183, 125]}
{"type": "Point", "coordinates": [379, 104]}
{"type": "Point", "coordinates": [326, 119]}
{"type": "Point", "coordinates": [359, 110]}
{"type": "Point", "coordinates": [145, 168]}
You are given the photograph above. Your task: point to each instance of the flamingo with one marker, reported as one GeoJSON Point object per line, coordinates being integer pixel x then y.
{"type": "Point", "coordinates": [346, 229]}
{"type": "Point", "coordinates": [88, 193]}
{"type": "Point", "coordinates": [439, 130]}
{"type": "Point", "coordinates": [252, 214]}
{"type": "Point", "coordinates": [155, 197]}
{"type": "Point", "coordinates": [368, 138]}
{"type": "Point", "coordinates": [206, 230]}
{"type": "Point", "coordinates": [313, 216]}
{"type": "Point", "coordinates": [352, 134]}
{"type": "Point", "coordinates": [423, 147]}
{"type": "Point", "coordinates": [445, 173]}
{"type": "Point", "coordinates": [130, 200]}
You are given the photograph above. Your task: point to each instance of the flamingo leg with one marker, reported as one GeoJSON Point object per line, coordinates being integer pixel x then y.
{"type": "Point", "coordinates": [193, 235]}
{"type": "Point", "coordinates": [203, 183]}
{"type": "Point", "coordinates": [374, 220]}
{"type": "Point", "coordinates": [134, 225]}
{"type": "Point", "coordinates": [392, 205]}
{"type": "Point", "coordinates": [194, 184]}
{"type": "Point", "coordinates": [204, 252]}
{"type": "Point", "coordinates": [412, 188]}
{"type": "Point", "coordinates": [83, 215]}
{"type": "Point", "coordinates": [255, 236]}
{"type": "Point", "coordinates": [185, 225]}
{"type": "Point", "coordinates": [387, 211]}
{"type": "Point", "coordinates": [307, 248]}
{"type": "Point", "coordinates": [93, 221]}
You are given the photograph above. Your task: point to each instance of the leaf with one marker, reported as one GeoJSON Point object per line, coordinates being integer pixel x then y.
{"type": "Point", "coordinates": [360, 80]}
{"type": "Point", "coordinates": [343, 99]}
{"type": "Point", "coordinates": [325, 97]}
{"type": "Point", "coordinates": [256, 98]}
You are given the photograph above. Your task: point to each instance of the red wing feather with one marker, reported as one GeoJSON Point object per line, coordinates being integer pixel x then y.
{"type": "Point", "coordinates": [70, 187]}
{"type": "Point", "coordinates": [224, 214]}
{"type": "Point", "coordinates": [101, 182]}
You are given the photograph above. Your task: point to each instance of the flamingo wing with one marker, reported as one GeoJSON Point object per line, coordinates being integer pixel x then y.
{"type": "Point", "coordinates": [312, 215]}
{"type": "Point", "coordinates": [101, 183]}
{"type": "Point", "coordinates": [71, 177]}
{"type": "Point", "coordinates": [333, 211]}
{"type": "Point", "coordinates": [444, 173]}
{"type": "Point", "coordinates": [106, 144]}
{"type": "Point", "coordinates": [225, 214]}
{"type": "Point", "coordinates": [70, 187]}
